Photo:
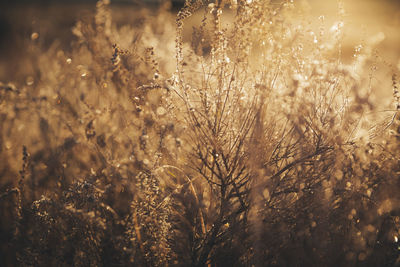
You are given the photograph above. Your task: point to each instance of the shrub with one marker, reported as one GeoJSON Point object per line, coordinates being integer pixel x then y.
{"type": "Point", "coordinates": [255, 145]}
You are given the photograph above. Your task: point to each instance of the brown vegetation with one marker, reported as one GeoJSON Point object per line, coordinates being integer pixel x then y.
{"type": "Point", "coordinates": [251, 145]}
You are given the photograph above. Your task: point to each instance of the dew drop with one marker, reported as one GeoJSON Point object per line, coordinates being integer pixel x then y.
{"type": "Point", "coordinates": [34, 36]}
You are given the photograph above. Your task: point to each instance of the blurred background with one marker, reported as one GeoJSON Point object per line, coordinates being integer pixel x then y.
{"type": "Point", "coordinates": [52, 20]}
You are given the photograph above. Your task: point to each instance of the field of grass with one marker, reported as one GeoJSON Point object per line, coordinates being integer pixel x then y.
{"type": "Point", "coordinates": [224, 133]}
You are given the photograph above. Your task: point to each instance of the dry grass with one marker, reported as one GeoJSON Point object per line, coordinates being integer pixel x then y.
{"type": "Point", "coordinates": [253, 143]}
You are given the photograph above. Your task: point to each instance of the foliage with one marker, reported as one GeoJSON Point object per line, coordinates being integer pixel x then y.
{"type": "Point", "coordinates": [250, 145]}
